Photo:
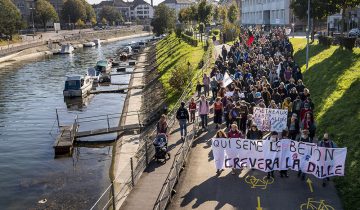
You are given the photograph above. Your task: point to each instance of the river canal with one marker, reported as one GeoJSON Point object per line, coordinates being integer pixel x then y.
{"type": "Point", "coordinates": [29, 95]}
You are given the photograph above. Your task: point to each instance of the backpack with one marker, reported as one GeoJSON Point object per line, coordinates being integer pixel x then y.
{"type": "Point", "coordinates": [234, 113]}
{"type": "Point", "coordinates": [322, 144]}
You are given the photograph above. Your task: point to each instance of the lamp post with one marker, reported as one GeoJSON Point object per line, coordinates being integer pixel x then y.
{"type": "Point", "coordinates": [293, 29]}
{"type": "Point", "coordinates": [307, 36]}
{"type": "Point", "coordinates": [32, 17]}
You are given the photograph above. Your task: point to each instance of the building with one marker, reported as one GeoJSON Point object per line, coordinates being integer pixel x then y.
{"type": "Point", "coordinates": [26, 8]}
{"type": "Point", "coordinates": [266, 12]}
{"type": "Point", "coordinates": [131, 11]}
{"type": "Point", "coordinates": [177, 5]}
{"type": "Point", "coordinates": [353, 20]}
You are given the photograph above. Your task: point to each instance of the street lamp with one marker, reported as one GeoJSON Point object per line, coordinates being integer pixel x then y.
{"type": "Point", "coordinates": [32, 17]}
{"type": "Point", "coordinates": [293, 29]}
{"type": "Point", "coordinates": [307, 36]}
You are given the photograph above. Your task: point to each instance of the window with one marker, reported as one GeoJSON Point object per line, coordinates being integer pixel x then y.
{"type": "Point", "coordinates": [139, 12]}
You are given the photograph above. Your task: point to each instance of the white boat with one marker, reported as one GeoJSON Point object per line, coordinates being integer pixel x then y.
{"type": "Point", "coordinates": [66, 49]}
{"type": "Point", "coordinates": [94, 75]}
{"type": "Point", "coordinates": [77, 86]}
{"type": "Point", "coordinates": [104, 66]}
{"type": "Point", "coordinates": [89, 44]}
{"type": "Point", "coordinates": [97, 42]}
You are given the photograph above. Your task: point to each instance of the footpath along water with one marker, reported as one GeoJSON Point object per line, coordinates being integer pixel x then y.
{"type": "Point", "coordinates": [29, 95]}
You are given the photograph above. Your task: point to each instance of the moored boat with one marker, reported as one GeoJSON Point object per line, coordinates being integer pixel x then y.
{"type": "Point", "coordinates": [97, 42]}
{"type": "Point", "coordinates": [89, 44]}
{"type": "Point", "coordinates": [94, 75]}
{"type": "Point", "coordinates": [66, 49]}
{"type": "Point", "coordinates": [77, 86]}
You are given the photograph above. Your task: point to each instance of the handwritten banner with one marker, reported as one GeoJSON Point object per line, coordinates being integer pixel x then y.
{"type": "Point", "coordinates": [279, 155]}
{"type": "Point", "coordinates": [268, 119]}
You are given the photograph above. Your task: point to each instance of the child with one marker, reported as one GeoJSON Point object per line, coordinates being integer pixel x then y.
{"type": "Point", "coordinates": [192, 109]}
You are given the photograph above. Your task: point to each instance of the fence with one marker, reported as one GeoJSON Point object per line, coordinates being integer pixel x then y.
{"type": "Point", "coordinates": [117, 191]}
{"type": "Point", "coordinates": [12, 49]}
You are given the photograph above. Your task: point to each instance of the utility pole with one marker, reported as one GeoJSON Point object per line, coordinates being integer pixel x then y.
{"type": "Point", "coordinates": [307, 37]}
{"type": "Point", "coordinates": [32, 17]}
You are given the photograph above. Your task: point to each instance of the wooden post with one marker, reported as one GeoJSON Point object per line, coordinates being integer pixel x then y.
{"type": "Point", "coordinates": [57, 118]}
{"type": "Point", "coordinates": [132, 172]}
{"type": "Point", "coordinates": [113, 196]}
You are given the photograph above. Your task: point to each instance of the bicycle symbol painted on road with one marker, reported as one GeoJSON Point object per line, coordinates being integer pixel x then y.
{"type": "Point", "coordinates": [315, 205]}
{"type": "Point", "coordinates": [261, 183]}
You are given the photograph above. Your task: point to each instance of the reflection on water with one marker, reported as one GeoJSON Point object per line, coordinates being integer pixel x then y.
{"type": "Point", "coordinates": [29, 95]}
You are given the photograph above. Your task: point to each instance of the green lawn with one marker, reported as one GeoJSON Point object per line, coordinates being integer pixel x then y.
{"type": "Point", "coordinates": [333, 78]}
{"type": "Point", "coordinates": [170, 52]}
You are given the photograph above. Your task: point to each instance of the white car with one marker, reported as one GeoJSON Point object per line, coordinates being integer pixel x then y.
{"type": "Point", "coordinates": [355, 32]}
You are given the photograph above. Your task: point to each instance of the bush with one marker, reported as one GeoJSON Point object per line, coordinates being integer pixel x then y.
{"type": "Point", "coordinates": [325, 40]}
{"type": "Point", "coordinates": [190, 40]}
{"type": "Point", "coordinates": [215, 32]}
{"type": "Point", "coordinates": [181, 76]}
{"type": "Point", "coordinates": [189, 33]}
{"type": "Point", "coordinates": [178, 32]}
{"type": "Point", "coordinates": [230, 31]}
{"type": "Point", "coordinates": [348, 42]}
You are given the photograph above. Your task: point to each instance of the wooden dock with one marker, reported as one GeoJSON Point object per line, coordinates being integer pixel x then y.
{"type": "Point", "coordinates": [64, 142]}
{"type": "Point", "coordinates": [68, 136]}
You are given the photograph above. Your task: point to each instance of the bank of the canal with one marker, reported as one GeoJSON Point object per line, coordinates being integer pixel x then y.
{"type": "Point", "coordinates": [29, 94]}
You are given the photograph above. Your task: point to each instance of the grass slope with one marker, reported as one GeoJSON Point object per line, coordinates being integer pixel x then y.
{"type": "Point", "coordinates": [170, 52]}
{"type": "Point", "coordinates": [333, 78]}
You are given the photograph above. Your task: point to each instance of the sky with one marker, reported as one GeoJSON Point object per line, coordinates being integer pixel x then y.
{"type": "Point", "coordinates": [156, 2]}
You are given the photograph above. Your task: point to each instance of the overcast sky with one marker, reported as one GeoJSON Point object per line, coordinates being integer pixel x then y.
{"type": "Point", "coordinates": [156, 2]}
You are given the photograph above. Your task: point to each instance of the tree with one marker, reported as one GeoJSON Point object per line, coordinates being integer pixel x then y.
{"type": "Point", "coordinates": [73, 10]}
{"type": "Point", "coordinates": [111, 14]}
{"type": "Point", "coordinates": [216, 14]}
{"type": "Point", "coordinates": [233, 13]}
{"type": "Point", "coordinates": [185, 15]}
{"type": "Point", "coordinates": [204, 12]}
{"type": "Point", "coordinates": [45, 12]}
{"type": "Point", "coordinates": [90, 12]}
{"type": "Point", "coordinates": [193, 12]}
{"type": "Point", "coordinates": [164, 20]}
{"type": "Point", "coordinates": [319, 9]}
{"type": "Point", "coordinates": [10, 18]}
{"type": "Point", "coordinates": [223, 13]}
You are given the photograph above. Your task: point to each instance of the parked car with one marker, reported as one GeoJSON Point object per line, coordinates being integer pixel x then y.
{"type": "Point", "coordinates": [355, 32]}
{"type": "Point", "coordinates": [97, 28]}
{"type": "Point", "coordinates": [4, 37]}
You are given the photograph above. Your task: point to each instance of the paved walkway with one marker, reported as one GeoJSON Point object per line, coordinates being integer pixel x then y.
{"type": "Point", "coordinates": [144, 194]}
{"type": "Point", "coordinates": [200, 188]}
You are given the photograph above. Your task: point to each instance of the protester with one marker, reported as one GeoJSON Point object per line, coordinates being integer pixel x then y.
{"type": "Point", "coordinates": [204, 111]}
{"type": "Point", "coordinates": [293, 125]}
{"type": "Point", "coordinates": [326, 142]}
{"type": "Point", "coordinates": [254, 133]}
{"type": "Point", "coordinates": [206, 84]}
{"type": "Point", "coordinates": [220, 134]}
{"type": "Point", "coordinates": [234, 133]}
{"type": "Point", "coordinates": [192, 110]}
{"type": "Point", "coordinates": [284, 135]}
{"type": "Point", "coordinates": [182, 115]}
{"type": "Point", "coordinates": [274, 138]}
{"type": "Point", "coordinates": [218, 112]}
{"type": "Point", "coordinates": [162, 125]}
{"type": "Point", "coordinates": [214, 88]}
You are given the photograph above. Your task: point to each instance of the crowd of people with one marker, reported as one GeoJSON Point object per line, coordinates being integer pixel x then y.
{"type": "Point", "coordinates": [264, 74]}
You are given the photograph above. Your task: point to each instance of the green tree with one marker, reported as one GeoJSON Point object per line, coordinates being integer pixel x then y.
{"type": "Point", "coordinates": [184, 15]}
{"type": "Point", "coordinates": [204, 12]}
{"type": "Point", "coordinates": [233, 13]}
{"type": "Point", "coordinates": [193, 13]}
{"type": "Point", "coordinates": [223, 13]}
{"type": "Point", "coordinates": [10, 18]}
{"type": "Point", "coordinates": [45, 12]}
{"type": "Point", "coordinates": [111, 14]}
{"type": "Point", "coordinates": [164, 20]}
{"type": "Point", "coordinates": [216, 14]}
{"type": "Point", "coordinates": [90, 12]}
{"type": "Point", "coordinates": [319, 9]}
{"type": "Point", "coordinates": [73, 10]}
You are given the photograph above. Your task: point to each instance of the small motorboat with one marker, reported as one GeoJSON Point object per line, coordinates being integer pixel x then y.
{"type": "Point", "coordinates": [66, 49]}
{"type": "Point", "coordinates": [77, 86]}
{"type": "Point", "coordinates": [89, 44]}
{"type": "Point", "coordinates": [103, 66]}
{"type": "Point", "coordinates": [94, 75]}
{"type": "Point", "coordinates": [132, 62]}
{"type": "Point", "coordinates": [97, 42]}
{"type": "Point", "coordinates": [121, 69]}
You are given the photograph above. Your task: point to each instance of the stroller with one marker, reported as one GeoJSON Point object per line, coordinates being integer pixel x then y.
{"type": "Point", "coordinates": [160, 144]}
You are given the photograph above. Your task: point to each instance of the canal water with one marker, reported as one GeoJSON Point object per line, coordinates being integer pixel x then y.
{"type": "Point", "coordinates": [29, 95]}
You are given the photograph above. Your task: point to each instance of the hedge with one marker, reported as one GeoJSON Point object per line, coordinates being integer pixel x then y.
{"type": "Point", "coordinates": [325, 40]}
{"type": "Point", "coordinates": [190, 40]}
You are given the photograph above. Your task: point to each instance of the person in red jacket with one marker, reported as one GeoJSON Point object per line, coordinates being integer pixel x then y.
{"type": "Point", "coordinates": [235, 132]}
{"type": "Point", "coordinates": [192, 110]}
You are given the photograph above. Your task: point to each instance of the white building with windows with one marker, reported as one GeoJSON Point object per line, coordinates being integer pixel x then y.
{"type": "Point", "coordinates": [266, 12]}
{"type": "Point", "coordinates": [177, 5]}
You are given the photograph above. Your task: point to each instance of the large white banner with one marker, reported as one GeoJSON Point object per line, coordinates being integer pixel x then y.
{"type": "Point", "coordinates": [268, 119]}
{"type": "Point", "coordinates": [267, 155]}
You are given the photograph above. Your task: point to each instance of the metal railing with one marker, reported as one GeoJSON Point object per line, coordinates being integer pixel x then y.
{"type": "Point", "coordinates": [4, 50]}
{"type": "Point", "coordinates": [117, 191]}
